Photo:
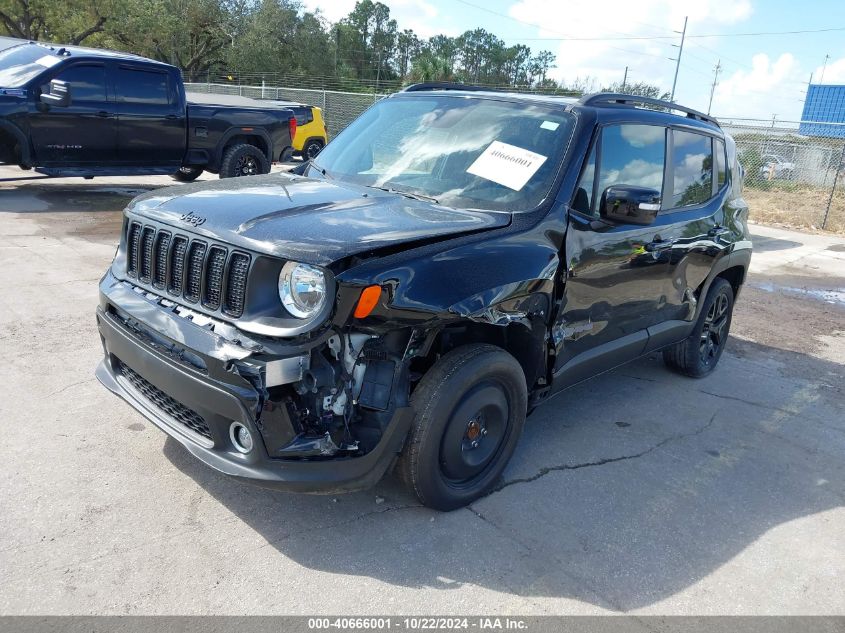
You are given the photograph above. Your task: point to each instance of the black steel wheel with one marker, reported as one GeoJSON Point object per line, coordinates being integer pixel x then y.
{"type": "Point", "coordinates": [699, 353]}
{"type": "Point", "coordinates": [470, 410]}
{"type": "Point", "coordinates": [243, 160]}
{"type": "Point", "coordinates": [312, 148]}
{"type": "Point", "coordinates": [187, 174]}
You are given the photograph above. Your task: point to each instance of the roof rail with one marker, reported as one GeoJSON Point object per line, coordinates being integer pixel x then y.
{"type": "Point", "coordinates": [615, 98]}
{"type": "Point", "coordinates": [445, 85]}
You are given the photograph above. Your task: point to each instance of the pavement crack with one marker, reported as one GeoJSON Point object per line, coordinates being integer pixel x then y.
{"type": "Point", "coordinates": [752, 403]}
{"type": "Point", "coordinates": [73, 384]}
{"type": "Point", "coordinates": [600, 462]}
{"type": "Point", "coordinates": [364, 515]}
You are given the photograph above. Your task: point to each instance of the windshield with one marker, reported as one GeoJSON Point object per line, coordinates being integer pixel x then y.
{"type": "Point", "coordinates": [21, 63]}
{"type": "Point", "coordinates": [462, 152]}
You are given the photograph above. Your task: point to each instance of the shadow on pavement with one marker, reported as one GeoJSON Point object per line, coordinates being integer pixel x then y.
{"type": "Point", "coordinates": [625, 490]}
{"type": "Point", "coordinates": [768, 244]}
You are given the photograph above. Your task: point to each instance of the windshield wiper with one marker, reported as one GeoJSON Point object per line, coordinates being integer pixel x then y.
{"type": "Point", "coordinates": [408, 194]}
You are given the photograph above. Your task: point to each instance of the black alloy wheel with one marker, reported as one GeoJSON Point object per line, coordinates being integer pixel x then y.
{"type": "Point", "coordinates": [312, 149]}
{"type": "Point", "coordinates": [699, 353]}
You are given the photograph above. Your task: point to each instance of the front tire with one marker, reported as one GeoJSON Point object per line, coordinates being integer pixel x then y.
{"type": "Point", "coordinates": [187, 174]}
{"type": "Point", "coordinates": [243, 160]}
{"type": "Point", "coordinates": [469, 409]}
{"type": "Point", "coordinates": [698, 354]}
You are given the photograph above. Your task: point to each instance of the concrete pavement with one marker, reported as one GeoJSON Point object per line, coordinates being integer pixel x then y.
{"type": "Point", "coordinates": [639, 491]}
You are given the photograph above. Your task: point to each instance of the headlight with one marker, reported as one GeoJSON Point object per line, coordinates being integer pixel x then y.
{"type": "Point", "coordinates": [302, 289]}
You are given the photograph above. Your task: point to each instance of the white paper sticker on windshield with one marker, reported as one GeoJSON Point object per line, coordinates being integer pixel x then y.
{"type": "Point", "coordinates": [48, 61]}
{"type": "Point", "coordinates": [508, 165]}
{"type": "Point", "coordinates": [549, 125]}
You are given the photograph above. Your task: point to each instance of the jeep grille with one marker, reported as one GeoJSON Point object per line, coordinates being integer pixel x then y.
{"type": "Point", "coordinates": [189, 268]}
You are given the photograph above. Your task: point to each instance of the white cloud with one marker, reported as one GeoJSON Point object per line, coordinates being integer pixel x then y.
{"type": "Point", "coordinates": [834, 72]}
{"type": "Point", "coordinates": [419, 15]}
{"type": "Point", "coordinates": [766, 87]}
{"type": "Point", "coordinates": [642, 135]}
{"type": "Point", "coordinates": [605, 60]}
{"type": "Point", "coordinates": [637, 172]}
{"type": "Point", "coordinates": [332, 10]}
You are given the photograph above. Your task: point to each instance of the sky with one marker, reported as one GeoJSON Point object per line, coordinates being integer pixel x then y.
{"type": "Point", "coordinates": [761, 75]}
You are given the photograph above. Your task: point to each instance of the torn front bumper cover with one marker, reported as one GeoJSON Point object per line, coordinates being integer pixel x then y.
{"type": "Point", "coordinates": [194, 394]}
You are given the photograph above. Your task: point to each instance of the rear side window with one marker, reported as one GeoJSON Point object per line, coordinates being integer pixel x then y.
{"type": "Point", "coordinates": [304, 116]}
{"type": "Point", "coordinates": [721, 163]}
{"type": "Point", "coordinates": [142, 86]}
{"type": "Point", "coordinates": [87, 83]}
{"type": "Point", "coordinates": [692, 168]}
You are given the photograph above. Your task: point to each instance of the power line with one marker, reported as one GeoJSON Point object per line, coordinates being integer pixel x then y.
{"type": "Point", "coordinates": [656, 37]}
{"type": "Point", "coordinates": [565, 36]}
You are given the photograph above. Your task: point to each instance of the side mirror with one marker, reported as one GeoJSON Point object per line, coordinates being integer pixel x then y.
{"type": "Point", "coordinates": [59, 95]}
{"type": "Point", "coordinates": [628, 204]}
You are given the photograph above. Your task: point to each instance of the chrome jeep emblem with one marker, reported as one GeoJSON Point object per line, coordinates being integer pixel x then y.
{"type": "Point", "coordinates": [191, 218]}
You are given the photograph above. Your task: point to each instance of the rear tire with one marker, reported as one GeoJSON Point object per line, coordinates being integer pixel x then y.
{"type": "Point", "coordinates": [469, 413]}
{"type": "Point", "coordinates": [286, 155]}
{"type": "Point", "coordinates": [698, 354]}
{"type": "Point", "coordinates": [187, 174]}
{"type": "Point", "coordinates": [243, 160]}
{"type": "Point", "coordinates": [312, 149]}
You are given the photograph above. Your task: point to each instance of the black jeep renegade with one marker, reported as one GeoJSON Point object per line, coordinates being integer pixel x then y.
{"type": "Point", "coordinates": [447, 263]}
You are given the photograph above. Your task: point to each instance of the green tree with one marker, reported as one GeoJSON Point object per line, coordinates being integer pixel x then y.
{"type": "Point", "coordinates": [428, 67]}
{"type": "Point", "coordinates": [639, 89]}
{"type": "Point", "coordinates": [70, 22]}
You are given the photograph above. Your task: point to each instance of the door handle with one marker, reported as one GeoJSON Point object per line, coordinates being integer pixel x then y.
{"type": "Point", "coordinates": [171, 117]}
{"type": "Point", "coordinates": [659, 245]}
{"type": "Point", "coordinates": [103, 114]}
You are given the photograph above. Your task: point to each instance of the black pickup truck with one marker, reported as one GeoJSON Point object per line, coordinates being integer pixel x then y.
{"type": "Point", "coordinates": [71, 111]}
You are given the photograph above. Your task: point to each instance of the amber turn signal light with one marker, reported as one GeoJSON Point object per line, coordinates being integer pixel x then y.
{"type": "Point", "coordinates": [367, 301]}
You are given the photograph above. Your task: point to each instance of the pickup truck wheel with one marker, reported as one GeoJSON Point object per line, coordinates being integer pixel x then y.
{"type": "Point", "coordinates": [698, 354]}
{"type": "Point", "coordinates": [243, 160]}
{"type": "Point", "coordinates": [187, 174]}
{"type": "Point", "coordinates": [469, 412]}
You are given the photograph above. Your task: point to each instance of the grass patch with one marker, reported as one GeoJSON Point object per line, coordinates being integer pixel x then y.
{"type": "Point", "coordinates": [795, 204]}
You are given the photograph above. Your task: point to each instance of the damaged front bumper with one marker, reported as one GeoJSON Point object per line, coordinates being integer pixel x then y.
{"type": "Point", "coordinates": [194, 383]}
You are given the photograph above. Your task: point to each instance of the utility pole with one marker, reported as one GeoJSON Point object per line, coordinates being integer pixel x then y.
{"type": "Point", "coordinates": [336, 46]}
{"type": "Point", "coordinates": [378, 71]}
{"type": "Point", "coordinates": [625, 79]}
{"type": "Point", "coordinates": [826, 57]}
{"type": "Point", "coordinates": [713, 87]}
{"type": "Point", "coordinates": [678, 60]}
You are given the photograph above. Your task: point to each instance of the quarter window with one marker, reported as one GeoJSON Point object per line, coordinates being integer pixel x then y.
{"type": "Point", "coordinates": [721, 163]}
{"type": "Point", "coordinates": [692, 168]}
{"type": "Point", "coordinates": [142, 86]}
{"type": "Point", "coordinates": [583, 200]}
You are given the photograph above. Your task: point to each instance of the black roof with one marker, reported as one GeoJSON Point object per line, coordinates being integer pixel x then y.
{"type": "Point", "coordinates": [597, 100]}
{"type": "Point", "coordinates": [77, 52]}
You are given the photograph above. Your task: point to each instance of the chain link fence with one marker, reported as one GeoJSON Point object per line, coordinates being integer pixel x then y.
{"type": "Point", "coordinates": [790, 178]}
{"type": "Point", "coordinates": [339, 108]}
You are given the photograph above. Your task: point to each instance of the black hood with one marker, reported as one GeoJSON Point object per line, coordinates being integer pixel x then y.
{"type": "Point", "coordinates": [308, 220]}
